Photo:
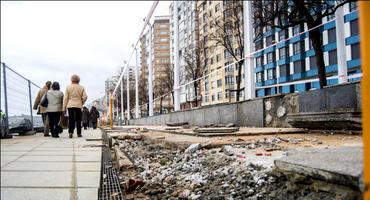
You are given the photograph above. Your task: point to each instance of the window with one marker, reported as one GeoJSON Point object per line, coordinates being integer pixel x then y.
{"type": "Point", "coordinates": [219, 82]}
{"type": "Point", "coordinates": [213, 97]}
{"type": "Point", "coordinates": [163, 39]}
{"type": "Point", "coordinates": [284, 70]}
{"type": "Point", "coordinates": [299, 66]}
{"type": "Point", "coordinates": [313, 61]}
{"type": "Point", "coordinates": [163, 32]}
{"type": "Point", "coordinates": [162, 26]}
{"type": "Point", "coordinates": [283, 35]}
{"type": "Point", "coordinates": [270, 57]}
{"type": "Point", "coordinates": [355, 51]}
{"type": "Point", "coordinates": [259, 77]}
{"type": "Point", "coordinates": [354, 27]}
{"type": "Point", "coordinates": [259, 61]}
{"type": "Point", "coordinates": [217, 7]}
{"type": "Point", "coordinates": [227, 53]}
{"type": "Point", "coordinates": [297, 29]}
{"type": "Point", "coordinates": [206, 98]}
{"type": "Point", "coordinates": [163, 47]}
{"type": "Point", "coordinates": [297, 48]}
{"type": "Point", "coordinates": [205, 28]}
{"type": "Point", "coordinates": [219, 95]}
{"type": "Point", "coordinates": [271, 74]}
{"type": "Point", "coordinates": [258, 45]}
{"type": "Point", "coordinates": [352, 6]}
{"type": "Point", "coordinates": [333, 57]}
{"type": "Point", "coordinates": [229, 80]}
{"type": "Point", "coordinates": [269, 40]}
{"type": "Point", "coordinates": [332, 35]}
{"type": "Point", "coordinates": [282, 53]}
{"type": "Point", "coordinates": [229, 68]}
{"type": "Point", "coordinates": [218, 57]}
{"type": "Point", "coordinates": [331, 17]}
{"type": "Point", "coordinates": [205, 18]}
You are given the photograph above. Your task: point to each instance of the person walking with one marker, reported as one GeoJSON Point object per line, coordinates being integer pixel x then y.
{"type": "Point", "coordinates": [54, 108]}
{"type": "Point", "coordinates": [85, 117]}
{"type": "Point", "coordinates": [41, 109]}
{"type": "Point", "coordinates": [74, 98]}
{"type": "Point", "coordinates": [94, 115]}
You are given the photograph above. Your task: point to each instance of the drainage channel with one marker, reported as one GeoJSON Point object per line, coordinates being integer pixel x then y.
{"type": "Point", "coordinates": [109, 188]}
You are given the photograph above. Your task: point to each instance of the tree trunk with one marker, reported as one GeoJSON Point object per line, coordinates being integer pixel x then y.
{"type": "Point", "coordinates": [160, 105]}
{"type": "Point", "coordinates": [315, 37]}
{"type": "Point", "coordinates": [195, 93]}
{"type": "Point", "coordinates": [240, 64]}
{"type": "Point", "coordinates": [173, 99]}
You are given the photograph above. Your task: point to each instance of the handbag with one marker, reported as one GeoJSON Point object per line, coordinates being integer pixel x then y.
{"type": "Point", "coordinates": [44, 100]}
{"type": "Point", "coordinates": [63, 122]}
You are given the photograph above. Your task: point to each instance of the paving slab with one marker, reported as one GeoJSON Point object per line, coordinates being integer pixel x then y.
{"type": "Point", "coordinates": [35, 193]}
{"type": "Point", "coordinates": [44, 168]}
{"type": "Point", "coordinates": [340, 165]}
{"type": "Point", "coordinates": [38, 166]}
{"type": "Point", "coordinates": [35, 179]}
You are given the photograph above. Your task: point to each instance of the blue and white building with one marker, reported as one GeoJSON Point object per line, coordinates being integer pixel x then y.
{"type": "Point", "coordinates": [290, 65]}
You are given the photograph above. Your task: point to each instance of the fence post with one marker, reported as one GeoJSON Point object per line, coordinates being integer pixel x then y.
{"type": "Point", "coordinates": [30, 98]}
{"type": "Point", "coordinates": [6, 120]}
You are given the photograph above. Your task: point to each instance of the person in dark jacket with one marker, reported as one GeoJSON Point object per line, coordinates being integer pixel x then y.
{"type": "Point", "coordinates": [85, 117]}
{"type": "Point", "coordinates": [94, 115]}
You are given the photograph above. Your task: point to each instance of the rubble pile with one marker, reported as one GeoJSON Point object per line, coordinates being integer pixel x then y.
{"type": "Point", "coordinates": [199, 173]}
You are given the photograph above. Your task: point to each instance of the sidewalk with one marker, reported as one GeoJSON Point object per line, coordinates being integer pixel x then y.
{"type": "Point", "coordinates": [36, 167]}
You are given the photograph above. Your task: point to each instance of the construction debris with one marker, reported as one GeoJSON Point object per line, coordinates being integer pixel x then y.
{"type": "Point", "coordinates": [176, 123]}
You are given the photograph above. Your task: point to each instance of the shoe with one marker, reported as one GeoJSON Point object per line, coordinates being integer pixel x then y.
{"type": "Point", "coordinates": [79, 135]}
{"type": "Point", "coordinates": [56, 136]}
{"type": "Point", "coordinates": [71, 135]}
{"type": "Point", "coordinates": [46, 135]}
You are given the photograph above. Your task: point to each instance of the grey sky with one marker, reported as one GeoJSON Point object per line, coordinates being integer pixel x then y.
{"type": "Point", "coordinates": [53, 40]}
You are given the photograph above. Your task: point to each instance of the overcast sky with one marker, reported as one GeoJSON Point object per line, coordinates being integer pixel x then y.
{"type": "Point", "coordinates": [53, 40]}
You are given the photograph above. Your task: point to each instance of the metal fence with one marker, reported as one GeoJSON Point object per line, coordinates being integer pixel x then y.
{"type": "Point", "coordinates": [17, 96]}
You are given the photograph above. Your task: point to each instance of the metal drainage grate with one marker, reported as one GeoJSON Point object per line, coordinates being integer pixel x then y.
{"type": "Point", "coordinates": [109, 185]}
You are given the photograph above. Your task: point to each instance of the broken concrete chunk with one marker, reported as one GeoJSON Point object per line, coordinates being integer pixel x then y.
{"type": "Point", "coordinates": [193, 148]}
{"type": "Point", "coordinates": [129, 136]}
{"type": "Point", "coordinates": [228, 150]}
{"type": "Point", "coordinates": [186, 126]}
{"type": "Point", "coordinates": [176, 123]}
{"type": "Point", "coordinates": [230, 125]}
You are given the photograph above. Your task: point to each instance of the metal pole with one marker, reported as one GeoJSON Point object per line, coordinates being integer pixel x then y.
{"type": "Point", "coordinates": [249, 84]}
{"type": "Point", "coordinates": [176, 61]}
{"type": "Point", "coordinates": [30, 100]}
{"type": "Point", "coordinates": [122, 109]}
{"type": "Point", "coordinates": [365, 86]}
{"type": "Point", "coordinates": [137, 85]}
{"type": "Point", "coordinates": [341, 46]}
{"type": "Point", "coordinates": [128, 93]}
{"type": "Point", "coordinates": [5, 101]}
{"type": "Point", "coordinates": [111, 111]}
{"type": "Point", "coordinates": [150, 78]}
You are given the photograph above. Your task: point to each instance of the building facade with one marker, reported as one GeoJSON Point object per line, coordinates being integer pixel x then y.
{"type": "Point", "coordinates": [220, 85]}
{"type": "Point", "coordinates": [188, 38]}
{"type": "Point", "coordinates": [160, 48]}
{"type": "Point", "coordinates": [290, 65]}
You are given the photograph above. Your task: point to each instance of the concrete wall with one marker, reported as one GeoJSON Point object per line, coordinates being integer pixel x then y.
{"type": "Point", "coordinates": [269, 111]}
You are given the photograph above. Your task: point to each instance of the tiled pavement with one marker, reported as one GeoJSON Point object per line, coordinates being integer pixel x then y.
{"type": "Point", "coordinates": [36, 167]}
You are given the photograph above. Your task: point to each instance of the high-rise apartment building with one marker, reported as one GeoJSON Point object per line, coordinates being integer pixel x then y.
{"type": "Point", "coordinates": [160, 48]}
{"type": "Point", "coordinates": [188, 39]}
{"type": "Point", "coordinates": [220, 85]}
{"type": "Point", "coordinates": [290, 66]}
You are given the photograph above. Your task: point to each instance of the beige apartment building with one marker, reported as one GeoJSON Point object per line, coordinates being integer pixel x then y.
{"type": "Point", "coordinates": [160, 38]}
{"type": "Point", "coordinates": [216, 87]}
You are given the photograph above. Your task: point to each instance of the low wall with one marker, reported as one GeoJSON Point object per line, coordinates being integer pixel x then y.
{"type": "Point", "coordinates": [268, 111]}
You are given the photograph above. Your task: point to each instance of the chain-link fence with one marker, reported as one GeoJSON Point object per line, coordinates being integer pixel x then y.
{"type": "Point", "coordinates": [17, 96]}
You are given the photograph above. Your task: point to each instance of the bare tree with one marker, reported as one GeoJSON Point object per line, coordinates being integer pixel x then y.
{"type": "Point", "coordinates": [168, 82]}
{"type": "Point", "coordinates": [229, 33]}
{"type": "Point", "coordinates": [164, 84]}
{"type": "Point", "coordinates": [289, 13]}
{"type": "Point", "coordinates": [194, 66]}
{"type": "Point", "coordinates": [143, 92]}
